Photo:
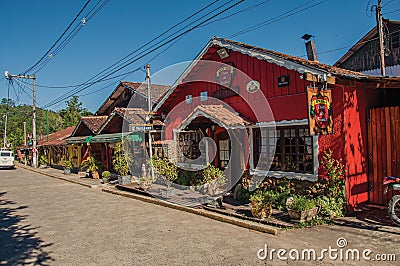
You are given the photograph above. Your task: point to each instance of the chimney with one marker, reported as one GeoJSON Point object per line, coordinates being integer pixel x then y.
{"type": "Point", "coordinates": [310, 47]}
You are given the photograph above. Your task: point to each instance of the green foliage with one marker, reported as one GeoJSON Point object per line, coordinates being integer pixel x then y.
{"type": "Point", "coordinates": [106, 174]}
{"type": "Point", "coordinates": [67, 164]}
{"type": "Point", "coordinates": [302, 203]}
{"type": "Point", "coordinates": [167, 170]}
{"type": "Point", "coordinates": [19, 114]}
{"type": "Point", "coordinates": [43, 160]}
{"type": "Point", "coordinates": [211, 173]}
{"type": "Point", "coordinates": [121, 160]}
{"type": "Point", "coordinates": [73, 112]}
{"type": "Point", "coordinates": [333, 202]}
{"type": "Point", "coordinates": [188, 178]}
{"type": "Point", "coordinates": [91, 164]}
{"type": "Point", "coordinates": [243, 194]}
{"type": "Point", "coordinates": [262, 196]}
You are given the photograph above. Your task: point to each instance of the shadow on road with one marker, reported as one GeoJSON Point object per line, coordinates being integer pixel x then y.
{"type": "Point", "coordinates": [19, 243]}
{"type": "Point", "coordinates": [374, 220]}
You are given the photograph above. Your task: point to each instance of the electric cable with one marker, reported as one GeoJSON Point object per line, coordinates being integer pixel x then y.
{"type": "Point", "coordinates": [59, 38]}
{"type": "Point", "coordinates": [148, 52]}
{"type": "Point", "coordinates": [277, 18]}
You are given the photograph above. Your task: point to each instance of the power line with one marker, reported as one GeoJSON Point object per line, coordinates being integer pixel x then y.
{"type": "Point", "coordinates": [348, 46]}
{"type": "Point", "coordinates": [392, 11]}
{"type": "Point", "coordinates": [138, 49]}
{"type": "Point", "coordinates": [59, 38]}
{"type": "Point", "coordinates": [237, 12]}
{"type": "Point", "coordinates": [277, 18]}
{"type": "Point", "coordinates": [127, 63]}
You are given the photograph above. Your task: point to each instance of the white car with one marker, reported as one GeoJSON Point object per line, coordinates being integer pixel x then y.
{"type": "Point", "coordinates": [6, 159]}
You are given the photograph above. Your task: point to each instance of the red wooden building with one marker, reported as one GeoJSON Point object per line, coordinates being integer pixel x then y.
{"type": "Point", "coordinates": [243, 88]}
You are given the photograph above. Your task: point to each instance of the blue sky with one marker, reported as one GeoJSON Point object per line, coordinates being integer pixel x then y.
{"type": "Point", "coordinates": [29, 28]}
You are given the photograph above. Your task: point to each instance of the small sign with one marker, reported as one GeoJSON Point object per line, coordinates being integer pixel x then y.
{"type": "Point", "coordinates": [224, 75]}
{"type": "Point", "coordinates": [320, 117]}
{"type": "Point", "coordinates": [253, 86]}
{"type": "Point", "coordinates": [283, 81]}
{"type": "Point", "coordinates": [222, 94]}
{"type": "Point", "coordinates": [139, 127]}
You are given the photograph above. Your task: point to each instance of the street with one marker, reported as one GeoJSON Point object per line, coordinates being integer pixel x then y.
{"type": "Point", "coordinates": [47, 221]}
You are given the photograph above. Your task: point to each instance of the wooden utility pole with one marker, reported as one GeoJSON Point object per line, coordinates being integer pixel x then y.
{"type": "Point", "coordinates": [379, 26]}
{"type": "Point", "coordinates": [34, 140]}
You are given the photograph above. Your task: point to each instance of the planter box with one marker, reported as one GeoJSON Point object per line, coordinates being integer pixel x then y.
{"type": "Point", "coordinates": [67, 171]}
{"type": "Point", "coordinates": [302, 216]}
{"type": "Point", "coordinates": [124, 180]}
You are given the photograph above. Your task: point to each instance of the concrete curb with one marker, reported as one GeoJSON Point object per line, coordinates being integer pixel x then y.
{"type": "Point", "coordinates": [54, 176]}
{"type": "Point", "coordinates": [212, 215]}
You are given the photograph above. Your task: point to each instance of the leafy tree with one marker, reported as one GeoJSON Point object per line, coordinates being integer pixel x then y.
{"type": "Point", "coordinates": [73, 112]}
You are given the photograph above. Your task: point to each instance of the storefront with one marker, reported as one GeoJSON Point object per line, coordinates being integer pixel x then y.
{"type": "Point", "coordinates": [257, 105]}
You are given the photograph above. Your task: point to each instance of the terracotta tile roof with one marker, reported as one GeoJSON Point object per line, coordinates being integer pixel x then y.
{"type": "Point", "coordinates": [218, 114]}
{"type": "Point", "coordinates": [94, 122]}
{"type": "Point", "coordinates": [157, 90]}
{"type": "Point", "coordinates": [58, 138]}
{"type": "Point", "coordinates": [298, 60]}
{"type": "Point", "coordinates": [135, 115]}
{"type": "Point", "coordinates": [140, 88]}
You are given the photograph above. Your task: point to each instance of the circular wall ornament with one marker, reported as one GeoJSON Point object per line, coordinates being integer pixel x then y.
{"type": "Point", "coordinates": [253, 86]}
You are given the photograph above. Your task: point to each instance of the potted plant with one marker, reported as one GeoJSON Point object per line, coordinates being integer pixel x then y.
{"type": "Point", "coordinates": [67, 167]}
{"type": "Point", "coordinates": [301, 209]}
{"type": "Point", "coordinates": [213, 179]}
{"type": "Point", "coordinates": [168, 171]}
{"type": "Point", "coordinates": [121, 163]}
{"type": "Point", "coordinates": [92, 166]}
{"type": "Point", "coordinates": [43, 161]}
{"type": "Point", "coordinates": [261, 203]}
{"type": "Point", "coordinates": [106, 176]}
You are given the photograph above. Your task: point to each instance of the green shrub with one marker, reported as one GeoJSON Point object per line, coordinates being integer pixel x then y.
{"type": "Point", "coordinates": [167, 170]}
{"type": "Point", "coordinates": [211, 173]}
{"type": "Point", "coordinates": [302, 203]}
{"type": "Point", "coordinates": [333, 203]}
{"type": "Point", "coordinates": [91, 164]}
{"type": "Point", "coordinates": [121, 160]}
{"type": "Point", "coordinates": [43, 160]}
{"type": "Point", "coordinates": [67, 164]}
{"type": "Point", "coordinates": [106, 174]}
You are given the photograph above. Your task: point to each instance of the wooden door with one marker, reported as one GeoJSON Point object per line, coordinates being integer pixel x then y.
{"type": "Point", "coordinates": [383, 150]}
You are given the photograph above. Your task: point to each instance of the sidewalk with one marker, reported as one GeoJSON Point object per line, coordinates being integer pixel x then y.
{"type": "Point", "coordinates": [97, 183]}
{"type": "Point", "coordinates": [59, 174]}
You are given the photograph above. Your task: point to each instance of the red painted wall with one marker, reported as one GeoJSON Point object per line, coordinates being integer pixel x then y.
{"type": "Point", "coordinates": [357, 101]}
{"type": "Point", "coordinates": [287, 103]}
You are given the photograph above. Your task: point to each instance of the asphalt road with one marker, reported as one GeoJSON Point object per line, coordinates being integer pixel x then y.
{"type": "Point", "coordinates": [47, 221]}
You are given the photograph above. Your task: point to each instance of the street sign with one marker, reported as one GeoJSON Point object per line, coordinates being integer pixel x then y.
{"type": "Point", "coordinates": [140, 127]}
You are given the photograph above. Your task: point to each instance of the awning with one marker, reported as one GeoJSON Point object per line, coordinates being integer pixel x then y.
{"type": "Point", "coordinates": [116, 137]}
{"type": "Point", "coordinates": [79, 139]}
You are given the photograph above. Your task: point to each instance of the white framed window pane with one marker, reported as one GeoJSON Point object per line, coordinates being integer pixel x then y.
{"type": "Point", "coordinates": [188, 99]}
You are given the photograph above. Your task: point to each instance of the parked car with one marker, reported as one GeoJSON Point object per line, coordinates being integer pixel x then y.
{"type": "Point", "coordinates": [7, 159]}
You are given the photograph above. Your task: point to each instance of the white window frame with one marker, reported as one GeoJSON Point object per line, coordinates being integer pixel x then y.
{"type": "Point", "coordinates": [279, 174]}
{"type": "Point", "coordinates": [203, 96]}
{"type": "Point", "coordinates": [188, 99]}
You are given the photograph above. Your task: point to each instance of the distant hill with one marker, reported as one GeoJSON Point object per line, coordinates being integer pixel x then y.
{"type": "Point", "coordinates": [18, 114]}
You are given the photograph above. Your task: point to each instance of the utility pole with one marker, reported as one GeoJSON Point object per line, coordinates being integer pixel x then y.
{"type": "Point", "coordinates": [33, 77]}
{"type": "Point", "coordinates": [379, 25]}
{"type": "Point", "coordinates": [148, 117]}
{"type": "Point", "coordinates": [5, 129]}
{"type": "Point", "coordinates": [24, 133]}
{"type": "Point", "coordinates": [25, 142]}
